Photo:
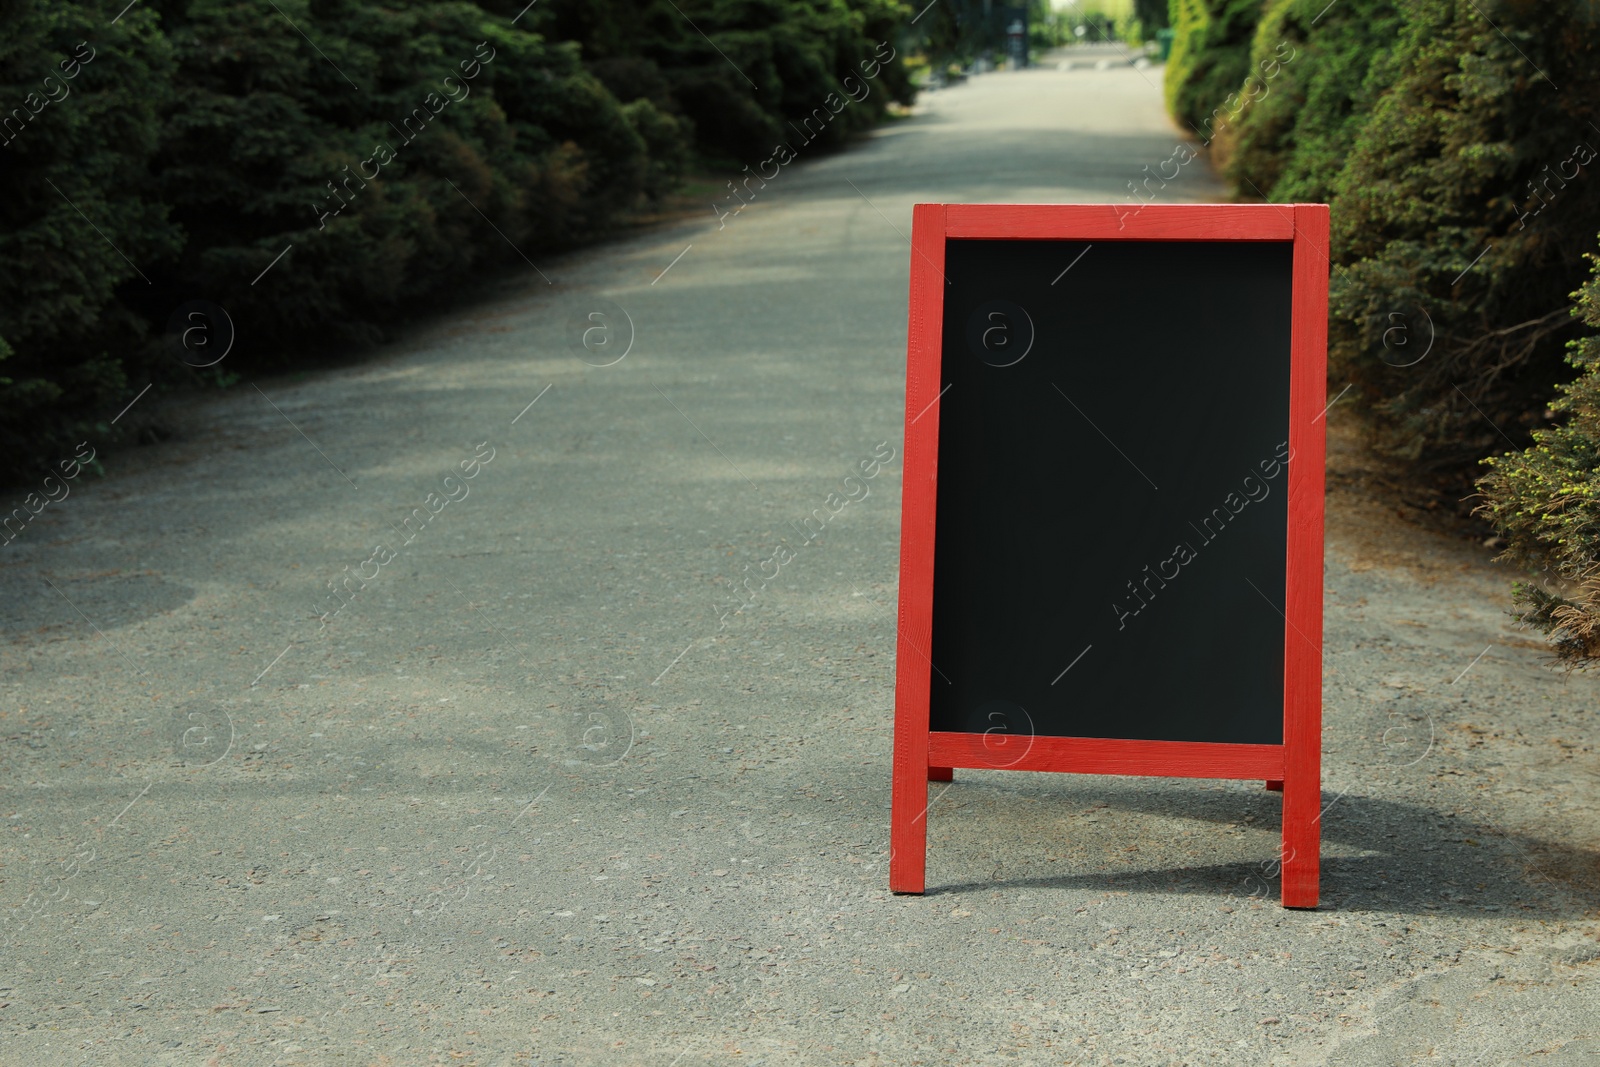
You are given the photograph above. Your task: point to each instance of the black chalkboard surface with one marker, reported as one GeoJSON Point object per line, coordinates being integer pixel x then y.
{"type": "Point", "coordinates": [1112, 490]}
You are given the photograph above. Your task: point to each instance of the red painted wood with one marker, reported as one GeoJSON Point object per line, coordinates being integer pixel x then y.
{"type": "Point", "coordinates": [1107, 222]}
{"type": "Point", "coordinates": [941, 774]}
{"type": "Point", "coordinates": [1106, 755]}
{"type": "Point", "coordinates": [1302, 662]}
{"type": "Point", "coordinates": [1275, 786]}
{"type": "Point", "coordinates": [908, 837]}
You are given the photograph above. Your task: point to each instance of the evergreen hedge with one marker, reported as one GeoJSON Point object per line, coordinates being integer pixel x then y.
{"type": "Point", "coordinates": [1210, 58]}
{"type": "Point", "coordinates": [196, 140]}
{"type": "Point", "coordinates": [1546, 501]}
{"type": "Point", "coordinates": [1453, 204]}
{"type": "Point", "coordinates": [1455, 154]}
{"type": "Point", "coordinates": [1457, 142]}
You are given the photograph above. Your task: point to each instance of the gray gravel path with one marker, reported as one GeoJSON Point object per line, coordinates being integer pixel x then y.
{"type": "Point", "coordinates": [530, 798]}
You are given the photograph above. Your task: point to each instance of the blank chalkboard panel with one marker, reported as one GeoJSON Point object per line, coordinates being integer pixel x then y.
{"type": "Point", "coordinates": [1112, 490]}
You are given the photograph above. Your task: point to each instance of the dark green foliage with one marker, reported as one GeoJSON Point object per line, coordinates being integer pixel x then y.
{"type": "Point", "coordinates": [377, 185]}
{"type": "Point", "coordinates": [79, 211]}
{"type": "Point", "coordinates": [666, 139]}
{"type": "Point", "coordinates": [1546, 501]}
{"type": "Point", "coordinates": [1457, 142]}
{"type": "Point", "coordinates": [382, 145]}
{"type": "Point", "coordinates": [1443, 170]}
{"type": "Point", "coordinates": [1291, 139]}
{"type": "Point", "coordinates": [1210, 58]}
{"type": "Point", "coordinates": [737, 70]}
{"type": "Point", "coordinates": [959, 31]}
{"type": "Point", "coordinates": [1153, 15]}
{"type": "Point", "coordinates": [1426, 126]}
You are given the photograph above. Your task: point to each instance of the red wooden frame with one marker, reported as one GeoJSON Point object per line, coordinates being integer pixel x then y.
{"type": "Point", "coordinates": [921, 755]}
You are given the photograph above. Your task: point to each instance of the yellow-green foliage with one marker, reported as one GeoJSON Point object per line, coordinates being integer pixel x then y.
{"type": "Point", "coordinates": [1291, 141]}
{"type": "Point", "coordinates": [1458, 142]}
{"type": "Point", "coordinates": [1464, 206]}
{"type": "Point", "coordinates": [1458, 156]}
{"type": "Point", "coordinates": [1210, 56]}
{"type": "Point", "coordinates": [1546, 502]}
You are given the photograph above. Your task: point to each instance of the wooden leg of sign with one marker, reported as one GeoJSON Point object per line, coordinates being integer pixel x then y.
{"type": "Point", "coordinates": [908, 827]}
{"type": "Point", "coordinates": [1275, 786]}
{"type": "Point", "coordinates": [941, 774]}
{"type": "Point", "coordinates": [1302, 787]}
{"type": "Point", "coordinates": [908, 809]}
{"type": "Point", "coordinates": [1302, 774]}
{"type": "Point", "coordinates": [908, 806]}
{"type": "Point", "coordinates": [1302, 674]}
{"type": "Point", "coordinates": [1302, 841]}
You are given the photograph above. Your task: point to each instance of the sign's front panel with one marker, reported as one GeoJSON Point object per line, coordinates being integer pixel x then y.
{"type": "Point", "coordinates": [1112, 490]}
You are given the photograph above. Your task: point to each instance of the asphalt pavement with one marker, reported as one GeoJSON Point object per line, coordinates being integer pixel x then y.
{"type": "Point", "coordinates": [403, 713]}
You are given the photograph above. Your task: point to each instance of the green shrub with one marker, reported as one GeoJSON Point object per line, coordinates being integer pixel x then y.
{"type": "Point", "coordinates": [377, 192]}
{"type": "Point", "coordinates": [1436, 135]}
{"type": "Point", "coordinates": [80, 217]}
{"type": "Point", "coordinates": [1457, 143]}
{"type": "Point", "coordinates": [207, 141]}
{"type": "Point", "coordinates": [1435, 218]}
{"type": "Point", "coordinates": [1290, 142]}
{"type": "Point", "coordinates": [1210, 58]}
{"type": "Point", "coordinates": [739, 70]}
{"type": "Point", "coordinates": [1152, 15]}
{"type": "Point", "coordinates": [1545, 500]}
{"type": "Point", "coordinates": [666, 139]}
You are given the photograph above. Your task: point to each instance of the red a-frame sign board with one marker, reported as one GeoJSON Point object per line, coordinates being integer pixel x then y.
{"type": "Point", "coordinates": [1114, 410]}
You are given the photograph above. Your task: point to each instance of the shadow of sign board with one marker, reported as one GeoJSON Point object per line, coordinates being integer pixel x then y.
{"type": "Point", "coordinates": [1111, 546]}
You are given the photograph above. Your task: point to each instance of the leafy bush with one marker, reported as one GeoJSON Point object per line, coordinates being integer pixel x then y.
{"type": "Point", "coordinates": [1456, 153]}
{"type": "Point", "coordinates": [80, 118]}
{"type": "Point", "coordinates": [1546, 501]}
{"type": "Point", "coordinates": [666, 140]}
{"type": "Point", "coordinates": [1456, 142]}
{"type": "Point", "coordinates": [1290, 142]}
{"type": "Point", "coordinates": [1152, 15]}
{"type": "Point", "coordinates": [1450, 204]}
{"type": "Point", "coordinates": [738, 70]}
{"type": "Point", "coordinates": [365, 152]}
{"type": "Point", "coordinates": [1210, 57]}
